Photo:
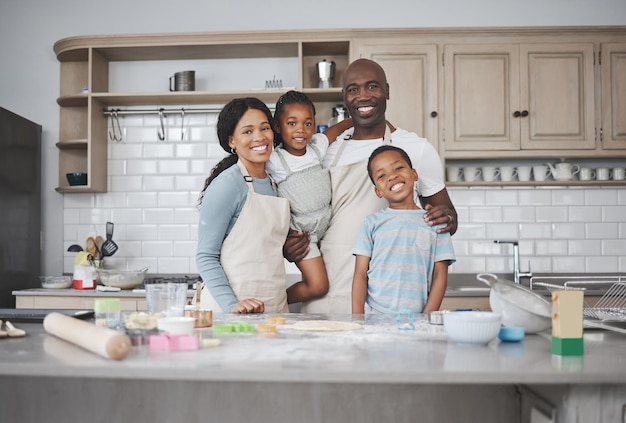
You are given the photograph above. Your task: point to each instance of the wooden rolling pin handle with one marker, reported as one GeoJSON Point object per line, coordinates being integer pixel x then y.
{"type": "Point", "coordinates": [99, 340]}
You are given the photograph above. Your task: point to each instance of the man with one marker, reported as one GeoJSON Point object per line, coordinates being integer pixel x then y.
{"type": "Point", "coordinates": [365, 94]}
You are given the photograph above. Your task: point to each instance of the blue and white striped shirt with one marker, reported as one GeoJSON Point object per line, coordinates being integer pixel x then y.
{"type": "Point", "coordinates": [403, 250]}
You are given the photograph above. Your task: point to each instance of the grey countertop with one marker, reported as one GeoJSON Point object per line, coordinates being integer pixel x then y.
{"type": "Point", "coordinates": [379, 353]}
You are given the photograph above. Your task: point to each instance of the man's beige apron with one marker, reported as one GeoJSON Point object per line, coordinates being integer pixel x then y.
{"type": "Point", "coordinates": [251, 254]}
{"type": "Point", "coordinates": [353, 199]}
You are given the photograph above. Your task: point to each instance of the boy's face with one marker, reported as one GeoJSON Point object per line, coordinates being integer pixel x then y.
{"type": "Point", "coordinates": [394, 180]}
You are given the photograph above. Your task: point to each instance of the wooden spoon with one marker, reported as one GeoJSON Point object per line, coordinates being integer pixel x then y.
{"type": "Point", "coordinates": [90, 247]}
{"type": "Point", "coordinates": [99, 242]}
{"type": "Point", "coordinates": [14, 332]}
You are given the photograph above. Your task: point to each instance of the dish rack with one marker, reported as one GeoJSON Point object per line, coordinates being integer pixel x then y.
{"type": "Point", "coordinates": [610, 310]}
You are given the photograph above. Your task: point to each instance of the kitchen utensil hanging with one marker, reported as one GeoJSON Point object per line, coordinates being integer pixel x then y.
{"type": "Point", "coordinates": [109, 247]}
{"type": "Point", "coordinates": [115, 134]}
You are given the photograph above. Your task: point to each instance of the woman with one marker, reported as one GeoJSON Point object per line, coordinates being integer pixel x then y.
{"type": "Point", "coordinates": [243, 224]}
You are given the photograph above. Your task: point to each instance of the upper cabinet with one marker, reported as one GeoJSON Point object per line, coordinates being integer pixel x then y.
{"type": "Point", "coordinates": [512, 97]}
{"type": "Point", "coordinates": [411, 70]}
{"type": "Point", "coordinates": [613, 65]}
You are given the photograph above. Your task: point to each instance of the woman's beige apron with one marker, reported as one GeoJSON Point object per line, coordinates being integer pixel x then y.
{"type": "Point", "coordinates": [251, 254]}
{"type": "Point", "coordinates": [352, 200]}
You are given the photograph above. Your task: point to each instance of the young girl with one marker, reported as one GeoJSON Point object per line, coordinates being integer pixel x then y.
{"type": "Point", "coordinates": [296, 166]}
{"type": "Point", "coordinates": [401, 261]}
{"type": "Point", "coordinates": [243, 223]}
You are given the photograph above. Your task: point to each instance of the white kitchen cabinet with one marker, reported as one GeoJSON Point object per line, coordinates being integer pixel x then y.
{"type": "Point", "coordinates": [613, 64]}
{"type": "Point", "coordinates": [411, 70]}
{"type": "Point", "coordinates": [514, 97]}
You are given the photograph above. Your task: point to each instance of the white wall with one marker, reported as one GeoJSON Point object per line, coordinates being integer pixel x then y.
{"type": "Point", "coordinates": [29, 71]}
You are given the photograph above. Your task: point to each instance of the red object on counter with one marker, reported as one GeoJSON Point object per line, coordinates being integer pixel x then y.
{"type": "Point", "coordinates": [84, 284]}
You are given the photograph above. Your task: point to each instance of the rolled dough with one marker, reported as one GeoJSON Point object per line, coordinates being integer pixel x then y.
{"type": "Point", "coordinates": [325, 325]}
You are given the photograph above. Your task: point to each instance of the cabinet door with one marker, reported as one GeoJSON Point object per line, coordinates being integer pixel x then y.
{"type": "Point", "coordinates": [614, 96]}
{"type": "Point", "coordinates": [481, 85]}
{"type": "Point", "coordinates": [557, 96]}
{"type": "Point", "coordinates": [411, 71]}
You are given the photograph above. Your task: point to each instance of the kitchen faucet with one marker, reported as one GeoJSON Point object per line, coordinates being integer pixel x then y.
{"type": "Point", "coordinates": [517, 273]}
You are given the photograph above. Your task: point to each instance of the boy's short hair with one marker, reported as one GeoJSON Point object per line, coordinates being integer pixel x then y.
{"type": "Point", "coordinates": [382, 149]}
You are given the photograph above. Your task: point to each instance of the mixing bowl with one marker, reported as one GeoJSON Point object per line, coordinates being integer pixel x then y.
{"type": "Point", "coordinates": [472, 327]}
{"type": "Point", "coordinates": [518, 305]}
{"type": "Point", "coordinates": [53, 282]}
{"type": "Point", "coordinates": [123, 279]}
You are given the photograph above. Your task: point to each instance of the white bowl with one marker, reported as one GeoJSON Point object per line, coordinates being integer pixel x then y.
{"type": "Point", "coordinates": [123, 279]}
{"type": "Point", "coordinates": [472, 327]}
{"type": "Point", "coordinates": [176, 325]}
{"type": "Point", "coordinates": [56, 282]}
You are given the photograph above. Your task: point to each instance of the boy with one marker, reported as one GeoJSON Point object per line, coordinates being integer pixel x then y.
{"type": "Point", "coordinates": [401, 261]}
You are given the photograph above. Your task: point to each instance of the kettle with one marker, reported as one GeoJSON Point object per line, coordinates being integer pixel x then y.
{"type": "Point", "coordinates": [563, 171]}
{"type": "Point", "coordinates": [340, 113]}
{"type": "Point", "coordinates": [325, 73]}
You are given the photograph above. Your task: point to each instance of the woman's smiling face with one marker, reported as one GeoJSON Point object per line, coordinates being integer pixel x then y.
{"type": "Point", "coordinates": [252, 140]}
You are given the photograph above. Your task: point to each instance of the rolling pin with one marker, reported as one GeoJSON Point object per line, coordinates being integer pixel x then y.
{"type": "Point", "coordinates": [99, 340]}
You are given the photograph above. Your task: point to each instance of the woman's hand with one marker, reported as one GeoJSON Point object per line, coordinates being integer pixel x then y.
{"type": "Point", "coordinates": [249, 305]}
{"type": "Point", "coordinates": [296, 246]}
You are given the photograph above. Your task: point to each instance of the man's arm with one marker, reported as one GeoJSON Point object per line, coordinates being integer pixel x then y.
{"type": "Point", "coordinates": [438, 287]}
{"type": "Point", "coordinates": [439, 211]}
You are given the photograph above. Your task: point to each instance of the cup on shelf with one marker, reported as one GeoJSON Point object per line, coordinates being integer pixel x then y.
{"type": "Point", "coordinates": [507, 173]}
{"type": "Point", "coordinates": [453, 173]}
{"type": "Point", "coordinates": [490, 173]}
{"type": "Point", "coordinates": [540, 172]}
{"type": "Point", "coordinates": [586, 174]}
{"type": "Point", "coordinates": [523, 173]}
{"type": "Point", "coordinates": [471, 173]}
{"type": "Point", "coordinates": [603, 174]}
{"type": "Point", "coordinates": [618, 174]}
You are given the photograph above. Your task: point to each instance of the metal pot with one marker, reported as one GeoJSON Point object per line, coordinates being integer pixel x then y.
{"type": "Point", "coordinates": [518, 305]}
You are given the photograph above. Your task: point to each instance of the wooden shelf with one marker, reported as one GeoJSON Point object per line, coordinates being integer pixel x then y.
{"type": "Point", "coordinates": [78, 144]}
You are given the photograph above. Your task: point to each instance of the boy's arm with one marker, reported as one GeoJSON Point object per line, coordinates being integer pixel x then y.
{"type": "Point", "coordinates": [359, 284]}
{"type": "Point", "coordinates": [337, 129]}
{"type": "Point", "coordinates": [437, 287]}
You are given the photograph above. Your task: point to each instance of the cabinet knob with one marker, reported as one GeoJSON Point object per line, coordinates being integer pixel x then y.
{"type": "Point", "coordinates": [524, 113]}
{"type": "Point", "coordinates": [433, 114]}
{"type": "Point", "coordinates": [517, 113]}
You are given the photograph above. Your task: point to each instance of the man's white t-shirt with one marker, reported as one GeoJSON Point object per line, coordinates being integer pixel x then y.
{"type": "Point", "coordinates": [424, 157]}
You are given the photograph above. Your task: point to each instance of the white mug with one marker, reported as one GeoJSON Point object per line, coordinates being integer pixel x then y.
{"type": "Point", "coordinates": [523, 173]}
{"type": "Point", "coordinates": [586, 174]}
{"type": "Point", "coordinates": [490, 173]}
{"type": "Point", "coordinates": [603, 174]}
{"type": "Point", "coordinates": [507, 173]}
{"type": "Point", "coordinates": [540, 172]}
{"type": "Point", "coordinates": [618, 173]}
{"type": "Point", "coordinates": [471, 173]}
{"type": "Point", "coordinates": [453, 173]}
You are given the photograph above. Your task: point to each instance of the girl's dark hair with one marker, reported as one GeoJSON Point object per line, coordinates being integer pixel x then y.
{"type": "Point", "coordinates": [290, 97]}
{"type": "Point", "coordinates": [382, 149]}
{"type": "Point", "coordinates": [227, 122]}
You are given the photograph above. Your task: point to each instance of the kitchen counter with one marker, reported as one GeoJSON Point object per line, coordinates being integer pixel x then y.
{"type": "Point", "coordinates": [377, 369]}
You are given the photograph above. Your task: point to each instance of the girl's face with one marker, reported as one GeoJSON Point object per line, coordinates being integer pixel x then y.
{"type": "Point", "coordinates": [296, 127]}
{"type": "Point", "coordinates": [252, 140]}
{"type": "Point", "coordinates": [394, 180]}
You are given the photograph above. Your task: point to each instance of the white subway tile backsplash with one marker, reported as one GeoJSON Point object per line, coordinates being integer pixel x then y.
{"type": "Point", "coordinates": [158, 216]}
{"type": "Point", "coordinates": [191, 151]}
{"type": "Point", "coordinates": [141, 167]}
{"type": "Point", "coordinates": [485, 214]}
{"type": "Point", "coordinates": [568, 197]}
{"type": "Point", "coordinates": [141, 199]}
{"type": "Point", "coordinates": [189, 183]}
{"type": "Point", "coordinates": [78, 201]}
{"type": "Point", "coordinates": [601, 197]}
{"type": "Point", "coordinates": [607, 264]}
{"type": "Point", "coordinates": [585, 214]}
{"type": "Point", "coordinates": [470, 231]}
{"type": "Point", "coordinates": [158, 183]}
{"type": "Point", "coordinates": [125, 151]}
{"type": "Point", "coordinates": [127, 216]}
{"type": "Point", "coordinates": [591, 247]}
{"type": "Point", "coordinates": [466, 197]}
{"type": "Point", "coordinates": [602, 231]}
{"type": "Point", "coordinates": [534, 197]}
{"type": "Point", "coordinates": [533, 231]}
{"type": "Point", "coordinates": [159, 151]}
{"type": "Point", "coordinates": [568, 230]}
{"type": "Point", "coordinates": [185, 249]}
{"type": "Point", "coordinates": [551, 214]}
{"type": "Point", "coordinates": [186, 216]}
{"type": "Point", "coordinates": [173, 167]}
{"type": "Point", "coordinates": [614, 247]}
{"type": "Point", "coordinates": [158, 248]}
{"type": "Point", "coordinates": [174, 265]}
{"type": "Point", "coordinates": [174, 199]}
{"type": "Point", "coordinates": [116, 167]}
{"type": "Point", "coordinates": [125, 183]}
{"type": "Point", "coordinates": [519, 214]}
{"type": "Point", "coordinates": [551, 247]}
{"type": "Point", "coordinates": [568, 265]}
{"type": "Point", "coordinates": [174, 232]}
{"type": "Point", "coordinates": [93, 216]}
{"type": "Point", "coordinates": [501, 198]}
{"type": "Point", "coordinates": [613, 213]}
{"type": "Point", "coordinates": [111, 199]}
{"type": "Point", "coordinates": [142, 232]}
{"type": "Point", "coordinates": [502, 231]}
